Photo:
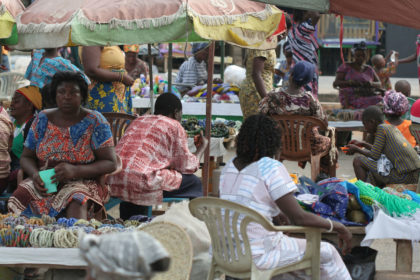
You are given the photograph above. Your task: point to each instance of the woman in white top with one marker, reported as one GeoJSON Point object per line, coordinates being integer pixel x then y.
{"type": "Point", "coordinates": [256, 179]}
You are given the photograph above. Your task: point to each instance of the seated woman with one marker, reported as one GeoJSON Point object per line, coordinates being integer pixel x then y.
{"type": "Point", "coordinates": [395, 106]}
{"type": "Point", "coordinates": [78, 144]}
{"type": "Point", "coordinates": [357, 82]}
{"type": "Point", "coordinates": [256, 179]}
{"type": "Point", "coordinates": [156, 160]}
{"type": "Point", "coordinates": [25, 102]}
{"type": "Point", "coordinates": [370, 165]}
{"type": "Point", "coordinates": [6, 138]}
{"type": "Point", "coordinates": [294, 100]}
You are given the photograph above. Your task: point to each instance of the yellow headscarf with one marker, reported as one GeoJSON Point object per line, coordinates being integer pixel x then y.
{"type": "Point", "coordinates": [132, 48]}
{"type": "Point", "coordinates": [33, 94]}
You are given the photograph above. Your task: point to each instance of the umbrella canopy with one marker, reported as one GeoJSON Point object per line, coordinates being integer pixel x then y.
{"type": "Point", "coordinates": [405, 13]}
{"type": "Point", "coordinates": [56, 23]}
{"type": "Point", "coordinates": [9, 9]}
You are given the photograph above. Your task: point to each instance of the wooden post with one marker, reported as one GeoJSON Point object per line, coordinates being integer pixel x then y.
{"type": "Point", "coordinates": [206, 166]}
{"type": "Point", "coordinates": [222, 60]}
{"type": "Point", "coordinates": [404, 259]}
{"type": "Point", "coordinates": [149, 50]}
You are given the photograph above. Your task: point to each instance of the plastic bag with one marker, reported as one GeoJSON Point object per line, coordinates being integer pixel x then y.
{"type": "Point", "coordinates": [361, 263]}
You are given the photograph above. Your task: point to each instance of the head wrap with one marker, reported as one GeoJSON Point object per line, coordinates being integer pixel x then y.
{"type": "Point", "coordinates": [196, 47]}
{"type": "Point", "coordinates": [131, 48]}
{"type": "Point", "coordinates": [395, 103]}
{"type": "Point", "coordinates": [303, 73]}
{"type": "Point", "coordinates": [415, 112]}
{"type": "Point", "coordinates": [33, 94]}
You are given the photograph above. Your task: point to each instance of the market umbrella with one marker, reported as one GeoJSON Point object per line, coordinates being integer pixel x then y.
{"type": "Point", "coordinates": [48, 23]}
{"type": "Point", "coordinates": [400, 12]}
{"type": "Point", "coordinates": [56, 23]}
{"type": "Point", "coordinates": [9, 9]}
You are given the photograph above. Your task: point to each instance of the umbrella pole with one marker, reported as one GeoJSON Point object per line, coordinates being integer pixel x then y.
{"type": "Point", "coordinates": [149, 50]}
{"type": "Point", "coordinates": [206, 167]}
{"type": "Point", "coordinates": [222, 60]}
{"type": "Point", "coordinates": [170, 68]}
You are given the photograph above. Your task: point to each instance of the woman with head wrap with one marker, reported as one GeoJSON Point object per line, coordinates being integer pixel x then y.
{"type": "Point", "coordinates": [134, 65]}
{"type": "Point", "coordinates": [294, 100]}
{"type": "Point", "coordinates": [395, 106]}
{"type": "Point", "coordinates": [357, 82]}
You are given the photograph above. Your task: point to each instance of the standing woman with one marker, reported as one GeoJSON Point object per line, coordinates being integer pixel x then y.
{"type": "Point", "coordinates": [259, 79]}
{"type": "Point", "coordinates": [110, 87]}
{"type": "Point", "coordinates": [357, 82]}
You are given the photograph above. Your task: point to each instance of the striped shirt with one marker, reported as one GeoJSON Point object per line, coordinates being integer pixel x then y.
{"type": "Point", "coordinates": [390, 141]}
{"type": "Point", "coordinates": [258, 186]}
{"type": "Point", "coordinates": [191, 72]}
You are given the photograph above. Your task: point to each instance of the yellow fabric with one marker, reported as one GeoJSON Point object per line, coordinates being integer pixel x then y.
{"type": "Point", "coordinates": [404, 127]}
{"type": "Point", "coordinates": [32, 94]}
{"type": "Point", "coordinates": [112, 58]}
{"type": "Point", "coordinates": [132, 48]}
{"type": "Point", "coordinates": [6, 25]}
{"type": "Point", "coordinates": [241, 33]}
{"type": "Point", "coordinates": [4, 51]}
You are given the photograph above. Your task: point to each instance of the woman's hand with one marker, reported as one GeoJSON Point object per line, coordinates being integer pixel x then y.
{"type": "Point", "coordinates": [344, 238]}
{"type": "Point", "coordinates": [127, 80]}
{"type": "Point", "coordinates": [64, 172]}
{"type": "Point", "coordinates": [352, 149]}
{"type": "Point", "coordinates": [39, 184]}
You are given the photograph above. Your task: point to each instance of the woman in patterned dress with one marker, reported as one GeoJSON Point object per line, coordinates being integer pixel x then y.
{"type": "Point", "coordinates": [78, 144]}
{"type": "Point", "coordinates": [258, 81]}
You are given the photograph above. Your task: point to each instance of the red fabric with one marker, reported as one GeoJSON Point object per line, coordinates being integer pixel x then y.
{"type": "Point", "coordinates": [401, 12]}
{"type": "Point", "coordinates": [154, 153]}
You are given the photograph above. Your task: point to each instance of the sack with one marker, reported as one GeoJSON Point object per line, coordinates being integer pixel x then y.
{"type": "Point", "coordinates": [361, 263]}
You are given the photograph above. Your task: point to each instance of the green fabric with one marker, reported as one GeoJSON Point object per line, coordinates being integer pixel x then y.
{"type": "Point", "coordinates": [17, 146]}
{"type": "Point", "coordinates": [411, 101]}
{"type": "Point", "coordinates": [316, 5]}
{"type": "Point", "coordinates": [102, 35]}
{"type": "Point", "coordinates": [12, 40]}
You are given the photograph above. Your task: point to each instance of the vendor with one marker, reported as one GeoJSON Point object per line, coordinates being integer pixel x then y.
{"type": "Point", "coordinates": [400, 163]}
{"type": "Point", "coordinates": [134, 65]}
{"type": "Point", "coordinates": [156, 160]}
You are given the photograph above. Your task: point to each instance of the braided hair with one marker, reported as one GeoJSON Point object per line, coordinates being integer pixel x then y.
{"type": "Point", "coordinates": [259, 136]}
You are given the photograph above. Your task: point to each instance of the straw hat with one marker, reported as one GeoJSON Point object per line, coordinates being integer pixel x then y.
{"type": "Point", "coordinates": [178, 244]}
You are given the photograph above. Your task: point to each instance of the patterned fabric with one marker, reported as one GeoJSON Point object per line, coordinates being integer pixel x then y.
{"type": "Point", "coordinates": [41, 74]}
{"type": "Point", "coordinates": [32, 94]}
{"type": "Point", "coordinates": [404, 128]}
{"type": "Point", "coordinates": [110, 96]}
{"type": "Point", "coordinates": [258, 186]}
{"type": "Point", "coordinates": [191, 72]}
{"type": "Point", "coordinates": [74, 145]}
{"type": "Point", "coordinates": [248, 96]}
{"type": "Point", "coordinates": [406, 162]}
{"type": "Point", "coordinates": [305, 48]}
{"type": "Point", "coordinates": [6, 131]}
{"type": "Point", "coordinates": [395, 103]}
{"type": "Point", "coordinates": [154, 153]}
{"type": "Point", "coordinates": [385, 73]}
{"type": "Point", "coordinates": [285, 69]}
{"type": "Point", "coordinates": [353, 97]}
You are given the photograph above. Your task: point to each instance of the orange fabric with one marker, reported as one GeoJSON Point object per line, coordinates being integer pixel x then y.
{"type": "Point", "coordinates": [404, 127]}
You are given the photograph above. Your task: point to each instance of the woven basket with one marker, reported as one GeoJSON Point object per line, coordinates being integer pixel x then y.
{"type": "Point", "coordinates": [178, 244]}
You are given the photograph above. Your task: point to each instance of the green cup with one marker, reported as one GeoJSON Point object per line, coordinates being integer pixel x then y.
{"type": "Point", "coordinates": [46, 178]}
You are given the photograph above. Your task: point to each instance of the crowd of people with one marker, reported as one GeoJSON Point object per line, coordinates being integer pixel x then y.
{"type": "Point", "coordinates": [58, 124]}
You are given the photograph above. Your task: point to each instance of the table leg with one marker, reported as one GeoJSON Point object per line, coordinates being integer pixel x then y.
{"type": "Point", "coordinates": [404, 259]}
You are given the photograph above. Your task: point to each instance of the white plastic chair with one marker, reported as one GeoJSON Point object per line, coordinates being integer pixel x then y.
{"type": "Point", "coordinates": [219, 216]}
{"type": "Point", "coordinates": [9, 83]}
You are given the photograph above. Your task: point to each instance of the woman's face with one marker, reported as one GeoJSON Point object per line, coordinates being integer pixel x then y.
{"type": "Point", "coordinates": [20, 106]}
{"type": "Point", "coordinates": [68, 97]}
{"type": "Point", "coordinates": [370, 126]}
{"type": "Point", "coordinates": [360, 57]}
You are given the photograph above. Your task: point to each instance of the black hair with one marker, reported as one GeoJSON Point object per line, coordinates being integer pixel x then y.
{"type": "Point", "coordinates": [373, 113]}
{"type": "Point", "coordinates": [360, 46]}
{"type": "Point", "coordinates": [47, 100]}
{"type": "Point", "coordinates": [288, 21]}
{"type": "Point", "coordinates": [298, 15]}
{"type": "Point", "coordinates": [259, 136]}
{"type": "Point", "coordinates": [167, 103]}
{"type": "Point", "coordinates": [69, 76]}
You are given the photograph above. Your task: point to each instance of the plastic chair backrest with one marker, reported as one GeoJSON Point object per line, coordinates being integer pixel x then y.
{"type": "Point", "coordinates": [415, 131]}
{"type": "Point", "coordinates": [9, 83]}
{"type": "Point", "coordinates": [119, 122]}
{"type": "Point", "coordinates": [219, 215]}
{"type": "Point", "coordinates": [296, 135]}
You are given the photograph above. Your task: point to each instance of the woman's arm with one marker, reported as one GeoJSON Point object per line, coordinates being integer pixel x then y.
{"type": "Point", "coordinates": [257, 69]}
{"type": "Point", "coordinates": [376, 81]}
{"type": "Point", "coordinates": [28, 163]}
{"type": "Point", "coordinates": [290, 207]}
{"type": "Point", "coordinates": [105, 163]}
{"type": "Point", "coordinates": [340, 81]}
{"type": "Point", "coordinates": [408, 59]}
{"type": "Point", "coordinates": [91, 58]}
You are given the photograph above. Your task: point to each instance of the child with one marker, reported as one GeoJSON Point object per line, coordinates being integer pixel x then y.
{"type": "Point", "coordinates": [385, 70]}
{"type": "Point", "coordinates": [404, 87]}
{"type": "Point", "coordinates": [390, 143]}
{"type": "Point", "coordinates": [396, 105]}
{"type": "Point", "coordinates": [283, 71]}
